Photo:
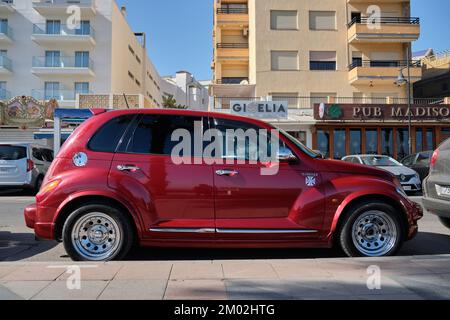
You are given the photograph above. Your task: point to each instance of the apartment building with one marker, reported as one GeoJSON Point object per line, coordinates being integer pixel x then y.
{"type": "Point", "coordinates": [335, 52]}
{"type": "Point", "coordinates": [58, 49]}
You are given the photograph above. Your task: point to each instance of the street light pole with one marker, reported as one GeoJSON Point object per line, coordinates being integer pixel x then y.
{"type": "Point", "coordinates": [409, 101]}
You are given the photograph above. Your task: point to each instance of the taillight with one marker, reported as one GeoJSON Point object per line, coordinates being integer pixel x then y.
{"type": "Point", "coordinates": [434, 159]}
{"type": "Point", "coordinates": [30, 165]}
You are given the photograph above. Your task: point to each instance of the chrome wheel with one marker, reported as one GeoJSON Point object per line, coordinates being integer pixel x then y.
{"type": "Point", "coordinates": [96, 236]}
{"type": "Point", "coordinates": [374, 233]}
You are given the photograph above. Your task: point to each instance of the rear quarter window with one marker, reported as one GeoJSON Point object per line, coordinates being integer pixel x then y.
{"type": "Point", "coordinates": [107, 138]}
{"type": "Point", "coordinates": [12, 152]}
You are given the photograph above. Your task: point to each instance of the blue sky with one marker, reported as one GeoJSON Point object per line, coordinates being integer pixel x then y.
{"type": "Point", "coordinates": [179, 32]}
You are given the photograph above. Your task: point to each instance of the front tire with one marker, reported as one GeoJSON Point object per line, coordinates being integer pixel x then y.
{"type": "Point", "coordinates": [371, 229]}
{"type": "Point", "coordinates": [97, 232]}
{"type": "Point", "coordinates": [445, 221]}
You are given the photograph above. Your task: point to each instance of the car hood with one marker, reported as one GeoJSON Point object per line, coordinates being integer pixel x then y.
{"type": "Point", "coordinates": [398, 170]}
{"type": "Point", "coordinates": [356, 169]}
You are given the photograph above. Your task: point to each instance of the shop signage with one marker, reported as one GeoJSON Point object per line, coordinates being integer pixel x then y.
{"type": "Point", "coordinates": [260, 109]}
{"type": "Point", "coordinates": [387, 112]}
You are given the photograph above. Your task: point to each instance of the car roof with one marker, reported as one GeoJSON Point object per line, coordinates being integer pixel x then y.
{"type": "Point", "coordinates": [182, 112]}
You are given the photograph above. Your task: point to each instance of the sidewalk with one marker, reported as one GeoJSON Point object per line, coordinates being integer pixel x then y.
{"type": "Point", "coordinates": [412, 278]}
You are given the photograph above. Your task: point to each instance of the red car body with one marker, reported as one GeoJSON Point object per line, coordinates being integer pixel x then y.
{"type": "Point", "coordinates": [190, 206]}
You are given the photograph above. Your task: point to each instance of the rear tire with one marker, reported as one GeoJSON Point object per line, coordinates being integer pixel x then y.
{"type": "Point", "coordinates": [97, 232]}
{"type": "Point", "coordinates": [371, 229]}
{"type": "Point", "coordinates": [445, 221]}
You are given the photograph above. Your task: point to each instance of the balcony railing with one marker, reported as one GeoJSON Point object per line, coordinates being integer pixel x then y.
{"type": "Point", "coordinates": [62, 30]}
{"type": "Point", "coordinates": [226, 10]}
{"type": "Point", "coordinates": [60, 95]}
{"type": "Point", "coordinates": [385, 20]}
{"type": "Point", "coordinates": [62, 62]}
{"type": "Point", "coordinates": [232, 45]}
{"type": "Point", "coordinates": [66, 2]}
{"type": "Point", "coordinates": [229, 80]}
{"type": "Point", "coordinates": [6, 63]}
{"type": "Point", "coordinates": [322, 65]}
{"type": "Point", "coordinates": [384, 64]}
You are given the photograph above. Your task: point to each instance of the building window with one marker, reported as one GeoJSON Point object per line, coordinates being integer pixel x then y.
{"type": "Point", "coordinates": [291, 98]}
{"type": "Point", "coordinates": [445, 131]}
{"type": "Point", "coordinates": [371, 141]}
{"type": "Point", "coordinates": [4, 26]}
{"type": "Point", "coordinates": [430, 140]}
{"type": "Point", "coordinates": [339, 144]}
{"type": "Point", "coordinates": [322, 60]}
{"type": "Point", "coordinates": [323, 142]}
{"type": "Point", "coordinates": [82, 59]}
{"type": "Point", "coordinates": [445, 87]}
{"type": "Point", "coordinates": [138, 59]}
{"type": "Point", "coordinates": [53, 59]}
{"type": "Point", "coordinates": [85, 28]}
{"type": "Point", "coordinates": [53, 27]}
{"type": "Point", "coordinates": [355, 141]}
{"type": "Point", "coordinates": [3, 91]}
{"type": "Point", "coordinates": [131, 75]}
{"type": "Point", "coordinates": [283, 20]}
{"type": "Point", "coordinates": [285, 60]}
{"type": "Point", "coordinates": [387, 142]}
{"type": "Point", "coordinates": [81, 87]}
{"type": "Point", "coordinates": [138, 83]}
{"type": "Point", "coordinates": [52, 90]}
{"type": "Point", "coordinates": [322, 20]}
{"type": "Point", "coordinates": [402, 143]}
{"type": "Point", "coordinates": [131, 50]}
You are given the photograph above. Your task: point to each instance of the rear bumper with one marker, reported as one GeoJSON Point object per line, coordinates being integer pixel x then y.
{"type": "Point", "coordinates": [41, 229]}
{"type": "Point", "coordinates": [441, 208]}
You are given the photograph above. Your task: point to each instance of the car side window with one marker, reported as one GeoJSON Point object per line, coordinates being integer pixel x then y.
{"type": "Point", "coordinates": [107, 138]}
{"type": "Point", "coordinates": [153, 134]}
{"type": "Point", "coordinates": [348, 159]}
{"type": "Point", "coordinates": [37, 154]}
{"type": "Point", "coordinates": [409, 161]}
{"type": "Point", "coordinates": [424, 159]}
{"type": "Point", "coordinates": [47, 155]}
{"type": "Point", "coordinates": [235, 150]}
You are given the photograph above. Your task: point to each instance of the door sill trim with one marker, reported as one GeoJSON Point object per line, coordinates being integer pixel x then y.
{"type": "Point", "coordinates": [232, 231]}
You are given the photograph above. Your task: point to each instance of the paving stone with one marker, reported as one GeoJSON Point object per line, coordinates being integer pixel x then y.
{"type": "Point", "coordinates": [6, 294]}
{"type": "Point", "coordinates": [199, 271]}
{"type": "Point", "coordinates": [249, 271]}
{"type": "Point", "coordinates": [300, 271]}
{"type": "Point", "coordinates": [95, 272]}
{"type": "Point", "coordinates": [144, 271]}
{"type": "Point", "coordinates": [5, 270]}
{"type": "Point", "coordinates": [90, 290]}
{"type": "Point", "coordinates": [196, 290]}
{"type": "Point", "coordinates": [25, 289]}
{"type": "Point", "coordinates": [430, 287]}
{"type": "Point", "coordinates": [134, 290]}
{"type": "Point", "coordinates": [34, 273]}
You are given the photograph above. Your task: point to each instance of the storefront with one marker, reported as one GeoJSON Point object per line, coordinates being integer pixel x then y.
{"type": "Point", "coordinates": [378, 129]}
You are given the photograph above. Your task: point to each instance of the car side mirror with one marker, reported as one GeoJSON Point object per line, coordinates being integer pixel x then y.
{"type": "Point", "coordinates": [285, 155]}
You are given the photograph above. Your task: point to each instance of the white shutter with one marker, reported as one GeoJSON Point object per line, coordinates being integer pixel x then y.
{"type": "Point", "coordinates": [284, 60]}
{"type": "Point", "coordinates": [284, 20]}
{"type": "Point", "coordinates": [322, 20]}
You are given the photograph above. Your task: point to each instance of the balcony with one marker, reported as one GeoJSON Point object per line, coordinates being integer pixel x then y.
{"type": "Point", "coordinates": [59, 7]}
{"type": "Point", "coordinates": [234, 52]}
{"type": "Point", "coordinates": [6, 34]}
{"type": "Point", "coordinates": [63, 66]}
{"type": "Point", "coordinates": [5, 65]}
{"type": "Point", "coordinates": [228, 80]}
{"type": "Point", "coordinates": [64, 34]}
{"type": "Point", "coordinates": [6, 7]}
{"type": "Point", "coordinates": [386, 29]}
{"type": "Point", "coordinates": [381, 72]}
{"type": "Point", "coordinates": [59, 95]}
{"type": "Point", "coordinates": [232, 16]}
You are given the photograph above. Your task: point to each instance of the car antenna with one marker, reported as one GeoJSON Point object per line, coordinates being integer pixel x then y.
{"type": "Point", "coordinates": [126, 100]}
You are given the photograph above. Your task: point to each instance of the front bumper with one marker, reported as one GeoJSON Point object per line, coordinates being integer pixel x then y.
{"type": "Point", "coordinates": [440, 208]}
{"type": "Point", "coordinates": [42, 230]}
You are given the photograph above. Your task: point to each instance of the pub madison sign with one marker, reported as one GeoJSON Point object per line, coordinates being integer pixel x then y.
{"type": "Point", "coordinates": [375, 112]}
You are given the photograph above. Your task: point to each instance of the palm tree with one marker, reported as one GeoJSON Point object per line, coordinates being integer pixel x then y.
{"type": "Point", "coordinates": [169, 102]}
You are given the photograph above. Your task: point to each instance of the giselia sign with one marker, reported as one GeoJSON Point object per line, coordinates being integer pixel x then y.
{"type": "Point", "coordinates": [261, 109]}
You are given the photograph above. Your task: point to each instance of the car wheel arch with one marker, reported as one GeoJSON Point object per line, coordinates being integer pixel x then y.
{"type": "Point", "coordinates": [350, 203]}
{"type": "Point", "coordinates": [74, 203]}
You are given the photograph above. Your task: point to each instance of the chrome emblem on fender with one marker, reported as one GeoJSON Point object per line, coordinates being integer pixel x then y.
{"type": "Point", "coordinates": [80, 159]}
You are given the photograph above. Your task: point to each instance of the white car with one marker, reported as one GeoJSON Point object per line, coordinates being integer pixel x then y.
{"type": "Point", "coordinates": [409, 178]}
{"type": "Point", "coordinates": [23, 165]}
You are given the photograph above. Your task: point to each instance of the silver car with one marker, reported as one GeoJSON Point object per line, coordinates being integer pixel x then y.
{"type": "Point", "coordinates": [409, 178]}
{"type": "Point", "coordinates": [437, 185]}
{"type": "Point", "coordinates": [23, 165]}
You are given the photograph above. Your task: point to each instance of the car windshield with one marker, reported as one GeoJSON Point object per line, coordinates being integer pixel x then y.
{"type": "Point", "coordinates": [300, 145]}
{"type": "Point", "coordinates": [12, 152]}
{"type": "Point", "coordinates": [379, 161]}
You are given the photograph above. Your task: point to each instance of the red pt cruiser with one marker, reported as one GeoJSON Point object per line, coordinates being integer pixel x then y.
{"type": "Point", "coordinates": [115, 184]}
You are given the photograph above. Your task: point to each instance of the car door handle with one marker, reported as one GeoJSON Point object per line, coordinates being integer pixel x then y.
{"type": "Point", "coordinates": [129, 168]}
{"type": "Point", "coordinates": [228, 173]}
